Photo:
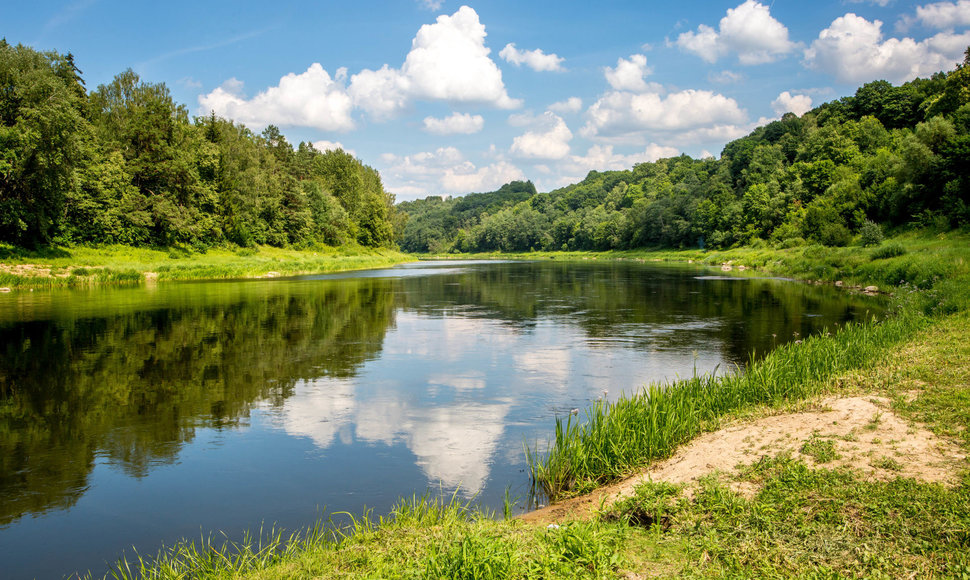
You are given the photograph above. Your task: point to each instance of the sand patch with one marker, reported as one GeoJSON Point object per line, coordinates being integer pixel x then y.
{"type": "Point", "coordinates": [865, 434]}
{"type": "Point", "coordinates": [34, 270]}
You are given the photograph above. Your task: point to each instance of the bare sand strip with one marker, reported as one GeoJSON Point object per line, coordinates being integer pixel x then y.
{"type": "Point", "coordinates": [867, 435]}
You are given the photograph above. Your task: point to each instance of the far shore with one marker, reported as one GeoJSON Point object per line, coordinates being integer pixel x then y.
{"type": "Point", "coordinates": [64, 267]}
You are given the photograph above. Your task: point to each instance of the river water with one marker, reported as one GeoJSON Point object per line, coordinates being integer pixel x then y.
{"type": "Point", "coordinates": [132, 417]}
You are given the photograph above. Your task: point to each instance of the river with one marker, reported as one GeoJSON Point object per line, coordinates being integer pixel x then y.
{"type": "Point", "coordinates": [132, 417]}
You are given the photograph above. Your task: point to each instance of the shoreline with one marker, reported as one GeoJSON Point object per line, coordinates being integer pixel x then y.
{"type": "Point", "coordinates": [121, 265]}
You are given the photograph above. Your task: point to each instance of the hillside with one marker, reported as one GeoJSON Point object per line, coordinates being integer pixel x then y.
{"type": "Point", "coordinates": [888, 157]}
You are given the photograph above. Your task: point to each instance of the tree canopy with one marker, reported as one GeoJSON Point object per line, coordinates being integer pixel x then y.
{"type": "Point", "coordinates": [125, 164]}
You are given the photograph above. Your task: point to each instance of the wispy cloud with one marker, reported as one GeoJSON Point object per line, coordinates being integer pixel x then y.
{"type": "Point", "coordinates": [69, 13]}
{"type": "Point", "coordinates": [205, 47]}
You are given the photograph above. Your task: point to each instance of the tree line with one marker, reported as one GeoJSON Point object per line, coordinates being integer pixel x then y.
{"type": "Point", "coordinates": [887, 157]}
{"type": "Point", "coordinates": [126, 164]}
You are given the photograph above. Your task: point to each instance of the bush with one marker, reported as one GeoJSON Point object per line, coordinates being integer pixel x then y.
{"type": "Point", "coordinates": [870, 233]}
{"type": "Point", "coordinates": [834, 234]}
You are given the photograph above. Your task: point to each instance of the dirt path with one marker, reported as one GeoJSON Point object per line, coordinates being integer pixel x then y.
{"type": "Point", "coordinates": [867, 436]}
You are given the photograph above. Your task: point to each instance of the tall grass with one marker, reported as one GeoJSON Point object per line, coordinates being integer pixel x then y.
{"type": "Point", "coordinates": [210, 558]}
{"type": "Point", "coordinates": [616, 438]}
{"type": "Point", "coordinates": [220, 557]}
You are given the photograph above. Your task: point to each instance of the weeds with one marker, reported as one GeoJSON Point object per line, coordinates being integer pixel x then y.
{"type": "Point", "coordinates": [821, 450]}
{"type": "Point", "coordinates": [887, 463]}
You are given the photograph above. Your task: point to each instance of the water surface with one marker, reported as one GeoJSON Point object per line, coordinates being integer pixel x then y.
{"type": "Point", "coordinates": [136, 416]}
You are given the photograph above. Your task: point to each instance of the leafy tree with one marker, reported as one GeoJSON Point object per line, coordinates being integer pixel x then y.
{"type": "Point", "coordinates": [41, 130]}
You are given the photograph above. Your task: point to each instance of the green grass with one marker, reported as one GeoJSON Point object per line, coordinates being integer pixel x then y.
{"type": "Point", "coordinates": [83, 266]}
{"type": "Point", "coordinates": [422, 537]}
{"type": "Point", "coordinates": [808, 522]}
{"type": "Point", "coordinates": [821, 450]}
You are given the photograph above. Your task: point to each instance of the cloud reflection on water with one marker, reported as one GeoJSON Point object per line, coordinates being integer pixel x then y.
{"type": "Point", "coordinates": [429, 404]}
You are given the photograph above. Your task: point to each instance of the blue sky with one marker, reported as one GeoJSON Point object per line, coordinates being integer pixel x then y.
{"type": "Point", "coordinates": [447, 97]}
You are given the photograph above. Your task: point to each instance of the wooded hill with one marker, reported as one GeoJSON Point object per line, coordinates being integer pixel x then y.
{"type": "Point", "coordinates": [125, 164]}
{"type": "Point", "coordinates": [887, 157]}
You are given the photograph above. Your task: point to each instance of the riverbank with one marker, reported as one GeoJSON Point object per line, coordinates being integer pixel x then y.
{"type": "Point", "coordinates": [63, 267]}
{"type": "Point", "coordinates": [847, 496]}
{"type": "Point", "coordinates": [921, 259]}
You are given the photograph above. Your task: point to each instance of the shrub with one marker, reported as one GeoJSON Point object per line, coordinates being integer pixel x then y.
{"type": "Point", "coordinates": [834, 234]}
{"type": "Point", "coordinates": [870, 233]}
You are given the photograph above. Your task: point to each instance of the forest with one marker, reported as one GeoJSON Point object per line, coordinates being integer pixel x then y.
{"type": "Point", "coordinates": [124, 164]}
{"type": "Point", "coordinates": [888, 157]}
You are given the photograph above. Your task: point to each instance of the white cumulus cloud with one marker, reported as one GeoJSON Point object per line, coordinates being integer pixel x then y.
{"type": "Point", "coordinates": [309, 99]}
{"type": "Point", "coordinates": [628, 74]}
{"type": "Point", "coordinates": [603, 158]}
{"type": "Point", "coordinates": [725, 77]}
{"type": "Point", "coordinates": [548, 140]}
{"type": "Point", "coordinates": [534, 59]}
{"type": "Point", "coordinates": [621, 113]}
{"type": "Point", "coordinates": [457, 123]}
{"type": "Point", "coordinates": [789, 103]}
{"type": "Point", "coordinates": [748, 30]}
{"type": "Point", "coordinates": [488, 178]}
{"type": "Point", "coordinates": [853, 50]}
{"type": "Point", "coordinates": [944, 15]}
{"type": "Point", "coordinates": [449, 61]}
{"type": "Point", "coordinates": [443, 171]}
{"type": "Point", "coordinates": [570, 105]}
{"type": "Point", "coordinates": [382, 93]}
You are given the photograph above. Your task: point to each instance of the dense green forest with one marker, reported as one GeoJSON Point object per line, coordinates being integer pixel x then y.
{"type": "Point", "coordinates": [125, 164]}
{"type": "Point", "coordinates": [889, 156]}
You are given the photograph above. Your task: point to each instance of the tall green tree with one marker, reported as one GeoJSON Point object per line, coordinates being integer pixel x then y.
{"type": "Point", "coordinates": [41, 129]}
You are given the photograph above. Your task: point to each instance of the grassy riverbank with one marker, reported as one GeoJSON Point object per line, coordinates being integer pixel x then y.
{"type": "Point", "coordinates": [60, 267]}
{"type": "Point", "coordinates": [922, 259]}
{"type": "Point", "coordinates": [799, 517]}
